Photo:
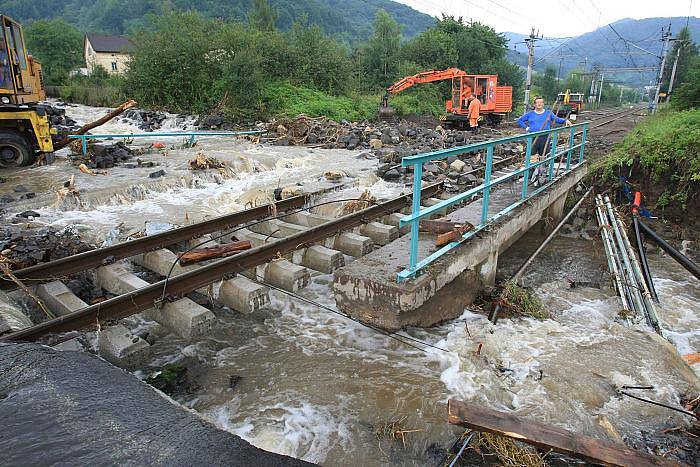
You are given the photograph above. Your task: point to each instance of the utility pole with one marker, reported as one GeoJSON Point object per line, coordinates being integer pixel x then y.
{"type": "Point", "coordinates": [594, 79]}
{"type": "Point", "coordinates": [600, 91]}
{"type": "Point", "coordinates": [673, 75]}
{"type": "Point", "coordinates": [621, 91]}
{"type": "Point", "coordinates": [530, 42]}
{"type": "Point", "coordinates": [665, 37]}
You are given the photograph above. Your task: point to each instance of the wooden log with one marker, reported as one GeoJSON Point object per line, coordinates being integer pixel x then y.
{"type": "Point", "coordinates": [101, 121]}
{"type": "Point", "coordinates": [440, 226]}
{"type": "Point", "coordinates": [548, 437]}
{"type": "Point", "coordinates": [452, 236]}
{"type": "Point", "coordinates": [221, 251]}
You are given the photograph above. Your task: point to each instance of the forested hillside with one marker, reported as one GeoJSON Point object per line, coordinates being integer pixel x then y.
{"type": "Point", "coordinates": [347, 20]}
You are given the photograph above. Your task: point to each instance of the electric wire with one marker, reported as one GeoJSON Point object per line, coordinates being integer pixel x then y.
{"type": "Point", "coordinates": [660, 404]}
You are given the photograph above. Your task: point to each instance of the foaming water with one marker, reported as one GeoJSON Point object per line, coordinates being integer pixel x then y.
{"type": "Point", "coordinates": [300, 380]}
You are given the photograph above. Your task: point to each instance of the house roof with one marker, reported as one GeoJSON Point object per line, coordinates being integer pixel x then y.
{"type": "Point", "coordinates": [113, 44]}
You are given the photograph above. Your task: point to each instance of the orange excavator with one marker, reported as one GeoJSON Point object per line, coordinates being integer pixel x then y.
{"type": "Point", "coordinates": [496, 101]}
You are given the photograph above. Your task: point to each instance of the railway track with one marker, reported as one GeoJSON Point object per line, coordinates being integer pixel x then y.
{"type": "Point", "coordinates": [310, 242]}
{"type": "Point", "coordinates": [289, 243]}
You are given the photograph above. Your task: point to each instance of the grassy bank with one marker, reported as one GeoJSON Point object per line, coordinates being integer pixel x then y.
{"type": "Point", "coordinates": [288, 100]}
{"type": "Point", "coordinates": [661, 158]}
{"type": "Point", "coordinates": [97, 96]}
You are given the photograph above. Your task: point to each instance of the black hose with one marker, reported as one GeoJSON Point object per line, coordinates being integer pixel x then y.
{"type": "Point", "coordinates": [683, 260]}
{"type": "Point", "coordinates": [643, 259]}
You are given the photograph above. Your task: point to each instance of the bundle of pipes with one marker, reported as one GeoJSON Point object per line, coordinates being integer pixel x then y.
{"type": "Point", "coordinates": [624, 266]}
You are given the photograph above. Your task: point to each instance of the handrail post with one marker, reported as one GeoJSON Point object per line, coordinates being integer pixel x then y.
{"type": "Point", "coordinates": [487, 184]}
{"type": "Point", "coordinates": [415, 209]}
{"type": "Point", "coordinates": [191, 140]}
{"type": "Point", "coordinates": [553, 155]}
{"type": "Point", "coordinates": [583, 143]}
{"type": "Point", "coordinates": [526, 178]}
{"type": "Point", "coordinates": [84, 145]}
{"type": "Point", "coordinates": [571, 146]}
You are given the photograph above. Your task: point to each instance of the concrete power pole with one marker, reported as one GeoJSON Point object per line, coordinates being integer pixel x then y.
{"type": "Point", "coordinates": [594, 79]}
{"type": "Point", "coordinates": [673, 75]}
{"type": "Point", "coordinates": [665, 36]}
{"type": "Point", "coordinates": [530, 41]}
{"type": "Point", "coordinates": [600, 91]}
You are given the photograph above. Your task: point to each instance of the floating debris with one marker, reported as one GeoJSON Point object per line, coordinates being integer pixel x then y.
{"type": "Point", "coordinates": [523, 301]}
{"type": "Point", "coordinates": [202, 162]}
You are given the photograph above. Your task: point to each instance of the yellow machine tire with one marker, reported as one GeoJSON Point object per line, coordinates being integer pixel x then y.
{"type": "Point", "coordinates": [15, 150]}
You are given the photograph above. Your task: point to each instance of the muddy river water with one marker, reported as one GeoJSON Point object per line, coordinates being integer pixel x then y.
{"type": "Point", "coordinates": [313, 384]}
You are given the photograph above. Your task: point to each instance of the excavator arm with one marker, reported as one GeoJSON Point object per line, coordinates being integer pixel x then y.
{"type": "Point", "coordinates": [385, 111]}
{"type": "Point", "coordinates": [424, 77]}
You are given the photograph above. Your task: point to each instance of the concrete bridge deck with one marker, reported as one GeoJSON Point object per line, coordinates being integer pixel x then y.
{"type": "Point", "coordinates": [368, 290]}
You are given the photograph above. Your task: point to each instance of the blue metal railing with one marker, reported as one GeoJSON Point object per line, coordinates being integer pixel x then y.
{"type": "Point", "coordinates": [417, 161]}
{"type": "Point", "coordinates": [191, 134]}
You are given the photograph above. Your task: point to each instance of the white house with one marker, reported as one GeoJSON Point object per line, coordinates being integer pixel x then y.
{"type": "Point", "coordinates": [110, 52]}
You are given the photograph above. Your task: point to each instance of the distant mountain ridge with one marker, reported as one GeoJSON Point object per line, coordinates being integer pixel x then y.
{"type": "Point", "coordinates": [348, 20]}
{"type": "Point", "coordinates": [605, 48]}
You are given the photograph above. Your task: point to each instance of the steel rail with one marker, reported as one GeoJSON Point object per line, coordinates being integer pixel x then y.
{"type": "Point", "coordinates": [150, 296]}
{"type": "Point", "coordinates": [101, 256]}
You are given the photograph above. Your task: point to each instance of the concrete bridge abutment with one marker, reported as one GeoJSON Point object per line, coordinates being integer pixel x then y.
{"type": "Point", "coordinates": [367, 288]}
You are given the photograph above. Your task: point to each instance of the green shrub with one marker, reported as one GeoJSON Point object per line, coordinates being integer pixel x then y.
{"type": "Point", "coordinates": [662, 150]}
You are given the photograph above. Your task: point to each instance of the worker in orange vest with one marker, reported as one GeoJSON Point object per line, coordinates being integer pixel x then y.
{"type": "Point", "coordinates": [474, 109]}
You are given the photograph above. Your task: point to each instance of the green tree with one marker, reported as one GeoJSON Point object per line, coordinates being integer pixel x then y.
{"type": "Point", "coordinates": [317, 60]}
{"type": "Point", "coordinates": [548, 84]}
{"type": "Point", "coordinates": [687, 94]}
{"type": "Point", "coordinates": [688, 51]}
{"type": "Point", "coordinates": [432, 49]}
{"type": "Point", "coordinates": [382, 50]}
{"type": "Point", "coordinates": [58, 46]}
{"type": "Point", "coordinates": [262, 16]}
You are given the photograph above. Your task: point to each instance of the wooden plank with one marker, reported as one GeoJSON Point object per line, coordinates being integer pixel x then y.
{"type": "Point", "coordinates": [437, 226]}
{"type": "Point", "coordinates": [548, 437]}
{"type": "Point", "coordinates": [452, 236]}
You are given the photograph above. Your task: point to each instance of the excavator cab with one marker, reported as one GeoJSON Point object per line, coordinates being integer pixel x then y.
{"type": "Point", "coordinates": [25, 133]}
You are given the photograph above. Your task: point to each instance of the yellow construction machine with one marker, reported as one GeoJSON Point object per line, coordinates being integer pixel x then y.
{"type": "Point", "coordinates": [25, 133]}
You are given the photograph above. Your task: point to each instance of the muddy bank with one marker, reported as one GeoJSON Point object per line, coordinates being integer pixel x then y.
{"type": "Point", "coordinates": [67, 408]}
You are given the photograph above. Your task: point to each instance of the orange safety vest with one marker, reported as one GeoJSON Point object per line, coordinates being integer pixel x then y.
{"type": "Point", "coordinates": [474, 109]}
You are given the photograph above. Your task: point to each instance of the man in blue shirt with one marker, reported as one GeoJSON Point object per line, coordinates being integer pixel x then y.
{"type": "Point", "coordinates": [537, 120]}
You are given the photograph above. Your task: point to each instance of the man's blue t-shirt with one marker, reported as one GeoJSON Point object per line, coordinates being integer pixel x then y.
{"type": "Point", "coordinates": [538, 122]}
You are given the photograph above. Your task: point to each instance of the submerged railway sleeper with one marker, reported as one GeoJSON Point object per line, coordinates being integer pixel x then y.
{"type": "Point", "coordinates": [144, 296]}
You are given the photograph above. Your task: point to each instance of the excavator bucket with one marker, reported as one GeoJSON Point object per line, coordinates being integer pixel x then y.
{"type": "Point", "coordinates": [386, 112]}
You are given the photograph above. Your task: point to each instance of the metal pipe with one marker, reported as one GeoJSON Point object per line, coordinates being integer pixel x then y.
{"type": "Point", "coordinates": [643, 258]}
{"type": "Point", "coordinates": [610, 254]}
{"type": "Point", "coordinates": [683, 260]}
{"type": "Point", "coordinates": [518, 274]}
{"type": "Point", "coordinates": [627, 270]}
{"type": "Point", "coordinates": [650, 308]}
{"type": "Point", "coordinates": [621, 280]}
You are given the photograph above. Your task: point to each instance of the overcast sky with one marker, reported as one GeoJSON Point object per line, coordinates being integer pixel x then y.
{"type": "Point", "coordinates": [554, 18]}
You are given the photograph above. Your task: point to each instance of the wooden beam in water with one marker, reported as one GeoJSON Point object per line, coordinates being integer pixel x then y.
{"type": "Point", "coordinates": [548, 437]}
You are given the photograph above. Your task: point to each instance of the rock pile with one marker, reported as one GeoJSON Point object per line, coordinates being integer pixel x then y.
{"type": "Point", "coordinates": [458, 172]}
{"type": "Point", "coordinates": [22, 247]}
{"type": "Point", "coordinates": [405, 138]}
{"type": "Point", "coordinates": [104, 156]}
{"type": "Point", "coordinates": [59, 120]}
{"type": "Point", "coordinates": [146, 120]}
{"type": "Point", "coordinates": [214, 121]}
